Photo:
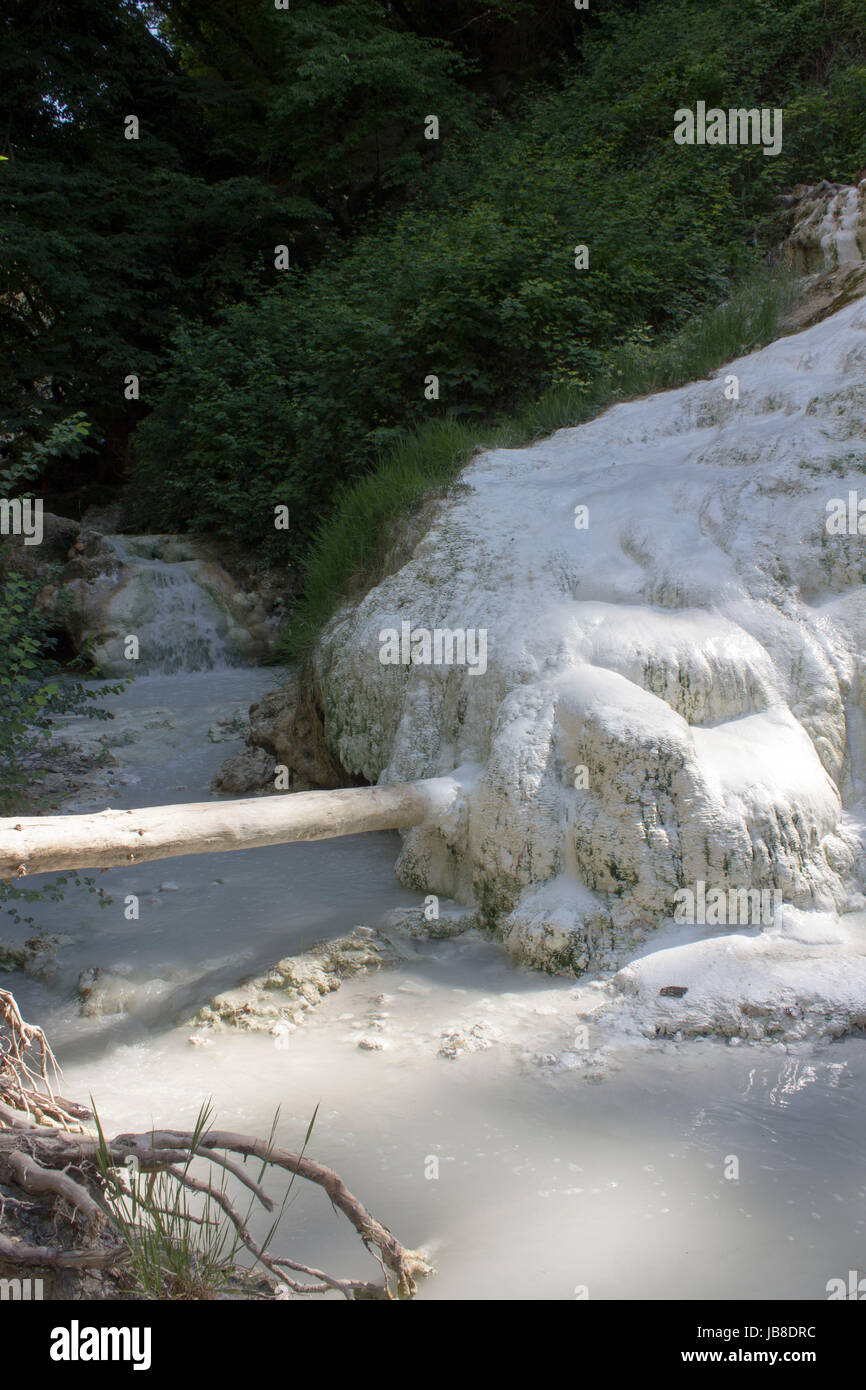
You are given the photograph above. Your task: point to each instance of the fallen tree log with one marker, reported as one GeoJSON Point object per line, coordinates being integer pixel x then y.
{"type": "Point", "coordinates": [47, 844]}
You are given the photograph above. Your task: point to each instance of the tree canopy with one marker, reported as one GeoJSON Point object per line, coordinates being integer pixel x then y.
{"type": "Point", "coordinates": [263, 382]}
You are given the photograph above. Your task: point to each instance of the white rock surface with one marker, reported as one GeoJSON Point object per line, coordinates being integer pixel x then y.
{"type": "Point", "coordinates": [698, 650]}
{"type": "Point", "coordinates": [830, 228]}
{"type": "Point", "coordinates": [801, 978]}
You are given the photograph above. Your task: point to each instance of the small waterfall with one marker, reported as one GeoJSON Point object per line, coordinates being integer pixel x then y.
{"type": "Point", "coordinates": [179, 626]}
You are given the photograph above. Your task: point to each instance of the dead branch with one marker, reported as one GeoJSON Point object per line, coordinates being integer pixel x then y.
{"type": "Point", "coordinates": [33, 1177]}
{"type": "Point", "coordinates": [45, 1257]}
{"type": "Point", "coordinates": [42, 1139]}
{"type": "Point", "coordinates": [24, 1087]}
{"type": "Point", "coordinates": [404, 1264]}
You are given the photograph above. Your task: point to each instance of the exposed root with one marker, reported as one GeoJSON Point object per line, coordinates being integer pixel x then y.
{"type": "Point", "coordinates": [45, 1257]}
{"type": "Point", "coordinates": [41, 1158]}
{"type": "Point", "coordinates": [33, 1177]}
{"type": "Point", "coordinates": [24, 1047]}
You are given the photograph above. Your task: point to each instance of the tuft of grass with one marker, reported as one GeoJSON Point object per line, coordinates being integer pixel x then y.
{"type": "Point", "coordinates": [178, 1248]}
{"type": "Point", "coordinates": [350, 553]}
{"type": "Point", "coordinates": [181, 1244]}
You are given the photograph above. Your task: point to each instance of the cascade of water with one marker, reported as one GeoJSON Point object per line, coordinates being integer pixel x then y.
{"type": "Point", "coordinates": [179, 626]}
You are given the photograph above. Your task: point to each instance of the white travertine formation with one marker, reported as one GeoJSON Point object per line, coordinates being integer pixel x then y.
{"type": "Point", "coordinates": [830, 228]}
{"type": "Point", "coordinates": [673, 694]}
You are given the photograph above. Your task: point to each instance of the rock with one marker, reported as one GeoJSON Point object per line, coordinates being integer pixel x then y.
{"type": "Point", "coordinates": [171, 592]}
{"type": "Point", "coordinates": [250, 773]}
{"type": "Point", "coordinates": [13, 956]}
{"type": "Point", "coordinates": [671, 687]}
{"type": "Point", "coordinates": [75, 761]}
{"type": "Point", "coordinates": [829, 231]}
{"type": "Point", "coordinates": [545, 1059]}
{"type": "Point", "coordinates": [455, 1041]}
{"type": "Point", "coordinates": [285, 729]}
{"type": "Point", "coordinates": [230, 728]}
{"type": "Point", "coordinates": [804, 978]}
{"type": "Point", "coordinates": [287, 723]}
{"type": "Point", "coordinates": [102, 992]}
{"type": "Point", "coordinates": [453, 920]}
{"type": "Point", "coordinates": [36, 956]}
{"type": "Point", "coordinates": [297, 984]}
{"type": "Point", "coordinates": [59, 534]}
{"type": "Point", "coordinates": [827, 242]}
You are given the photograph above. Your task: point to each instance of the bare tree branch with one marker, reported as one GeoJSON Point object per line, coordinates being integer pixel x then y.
{"type": "Point", "coordinates": [42, 1138]}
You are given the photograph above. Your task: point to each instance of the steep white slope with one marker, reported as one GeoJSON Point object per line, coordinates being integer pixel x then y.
{"type": "Point", "coordinates": [673, 695]}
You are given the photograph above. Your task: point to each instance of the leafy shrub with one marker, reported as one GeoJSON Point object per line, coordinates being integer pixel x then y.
{"type": "Point", "coordinates": [298, 390]}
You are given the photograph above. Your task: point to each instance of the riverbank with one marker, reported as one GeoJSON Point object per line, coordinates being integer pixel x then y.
{"type": "Point", "coordinates": [483, 1089]}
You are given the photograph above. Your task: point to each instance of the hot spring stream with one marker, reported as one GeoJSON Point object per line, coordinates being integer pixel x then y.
{"type": "Point", "coordinates": [609, 1177]}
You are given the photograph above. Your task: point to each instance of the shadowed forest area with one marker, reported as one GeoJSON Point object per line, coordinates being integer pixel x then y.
{"type": "Point", "coordinates": [306, 129]}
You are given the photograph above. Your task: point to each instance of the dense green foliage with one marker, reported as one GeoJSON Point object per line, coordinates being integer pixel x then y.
{"type": "Point", "coordinates": [409, 257]}
{"type": "Point", "coordinates": [105, 240]}
{"type": "Point", "coordinates": [302, 386]}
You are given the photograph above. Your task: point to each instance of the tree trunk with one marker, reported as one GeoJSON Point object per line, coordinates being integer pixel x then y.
{"type": "Point", "coordinates": [41, 844]}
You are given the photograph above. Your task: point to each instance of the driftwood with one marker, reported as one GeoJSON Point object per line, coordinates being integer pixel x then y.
{"type": "Point", "coordinates": [29, 1073]}
{"type": "Point", "coordinates": [40, 844]}
{"type": "Point", "coordinates": [30, 1156]}
{"type": "Point", "coordinates": [44, 1146]}
{"type": "Point", "coordinates": [63, 1160]}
